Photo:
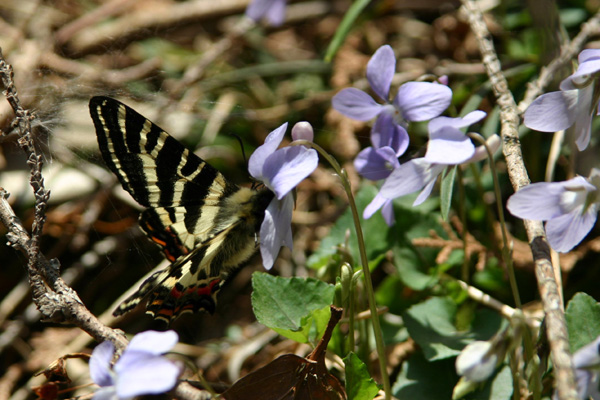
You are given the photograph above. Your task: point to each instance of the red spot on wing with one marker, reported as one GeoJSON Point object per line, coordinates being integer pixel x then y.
{"type": "Point", "coordinates": [168, 240]}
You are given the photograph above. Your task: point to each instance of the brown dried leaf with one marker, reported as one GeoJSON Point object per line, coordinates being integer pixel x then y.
{"type": "Point", "coordinates": [291, 377]}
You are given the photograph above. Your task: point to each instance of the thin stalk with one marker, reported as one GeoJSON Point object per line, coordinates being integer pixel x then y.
{"type": "Point", "coordinates": [364, 261]}
{"type": "Point", "coordinates": [505, 245]}
{"type": "Point", "coordinates": [462, 204]}
{"type": "Point", "coordinates": [506, 252]}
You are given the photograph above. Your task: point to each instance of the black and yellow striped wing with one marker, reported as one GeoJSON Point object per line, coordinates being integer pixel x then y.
{"type": "Point", "coordinates": [206, 225]}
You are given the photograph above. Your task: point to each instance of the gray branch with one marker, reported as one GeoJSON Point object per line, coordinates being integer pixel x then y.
{"type": "Point", "coordinates": [547, 286]}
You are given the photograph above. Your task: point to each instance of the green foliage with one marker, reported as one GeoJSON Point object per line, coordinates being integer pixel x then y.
{"type": "Point", "coordinates": [420, 379]}
{"type": "Point", "coordinates": [345, 26]}
{"type": "Point", "coordinates": [376, 239]}
{"type": "Point", "coordinates": [297, 308]}
{"type": "Point", "coordinates": [413, 264]}
{"type": "Point", "coordinates": [359, 384]}
{"type": "Point", "coordinates": [497, 387]}
{"type": "Point", "coordinates": [583, 320]}
{"type": "Point", "coordinates": [446, 188]}
{"type": "Point", "coordinates": [432, 325]}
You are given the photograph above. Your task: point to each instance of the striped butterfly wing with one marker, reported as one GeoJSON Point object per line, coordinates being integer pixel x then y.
{"type": "Point", "coordinates": [205, 225]}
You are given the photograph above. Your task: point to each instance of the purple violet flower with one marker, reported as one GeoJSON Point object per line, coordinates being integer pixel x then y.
{"type": "Point", "coordinates": [140, 370]}
{"type": "Point", "coordinates": [575, 103]}
{"type": "Point", "coordinates": [389, 141]}
{"type": "Point", "coordinates": [415, 101]}
{"type": "Point", "coordinates": [272, 10]}
{"type": "Point", "coordinates": [477, 361]}
{"type": "Point", "coordinates": [280, 170]}
{"type": "Point", "coordinates": [447, 146]}
{"type": "Point", "coordinates": [569, 208]}
{"type": "Point", "coordinates": [586, 361]}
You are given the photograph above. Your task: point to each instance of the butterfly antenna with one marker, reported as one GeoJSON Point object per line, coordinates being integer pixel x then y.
{"type": "Point", "coordinates": [239, 139]}
{"type": "Point", "coordinates": [241, 142]}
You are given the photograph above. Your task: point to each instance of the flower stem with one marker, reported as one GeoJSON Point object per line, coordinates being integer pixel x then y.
{"type": "Point", "coordinates": [364, 261]}
{"type": "Point", "coordinates": [506, 256]}
{"type": "Point", "coordinates": [506, 252]}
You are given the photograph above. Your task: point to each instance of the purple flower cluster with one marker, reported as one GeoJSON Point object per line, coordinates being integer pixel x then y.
{"type": "Point", "coordinates": [414, 101]}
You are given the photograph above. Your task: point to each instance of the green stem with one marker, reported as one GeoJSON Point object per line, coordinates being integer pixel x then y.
{"type": "Point", "coordinates": [463, 219]}
{"type": "Point", "coordinates": [506, 256]}
{"type": "Point", "coordinates": [506, 252]}
{"type": "Point", "coordinates": [364, 261]}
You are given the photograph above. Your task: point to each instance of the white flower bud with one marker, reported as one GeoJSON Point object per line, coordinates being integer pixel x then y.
{"type": "Point", "coordinates": [303, 131]}
{"type": "Point", "coordinates": [477, 361]}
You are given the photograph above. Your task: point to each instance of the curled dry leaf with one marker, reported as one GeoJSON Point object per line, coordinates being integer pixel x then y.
{"type": "Point", "coordinates": [291, 377]}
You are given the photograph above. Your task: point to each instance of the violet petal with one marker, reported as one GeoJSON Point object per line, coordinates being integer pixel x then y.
{"type": "Point", "coordinates": [583, 118]}
{"type": "Point", "coordinates": [552, 112]}
{"type": "Point", "coordinates": [276, 230]}
{"type": "Point", "coordinates": [568, 230]}
{"type": "Point", "coordinates": [386, 132]}
{"type": "Point", "coordinates": [275, 15]}
{"type": "Point", "coordinates": [142, 373]}
{"type": "Point", "coordinates": [153, 342]}
{"type": "Point", "coordinates": [100, 364]}
{"type": "Point", "coordinates": [458, 123]}
{"type": "Point", "coordinates": [375, 204]}
{"type": "Point", "coordinates": [449, 146]}
{"type": "Point", "coordinates": [376, 164]}
{"type": "Point", "coordinates": [356, 104]}
{"type": "Point", "coordinates": [258, 158]}
{"type": "Point", "coordinates": [380, 71]}
{"type": "Point", "coordinates": [420, 101]}
{"type": "Point", "coordinates": [287, 167]}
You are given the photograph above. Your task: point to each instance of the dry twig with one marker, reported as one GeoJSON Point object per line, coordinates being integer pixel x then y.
{"type": "Point", "coordinates": [547, 286]}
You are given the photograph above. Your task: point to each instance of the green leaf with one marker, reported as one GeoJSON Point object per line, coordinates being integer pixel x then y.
{"type": "Point", "coordinates": [431, 325]}
{"type": "Point", "coordinates": [297, 308]}
{"type": "Point", "coordinates": [311, 328]}
{"type": "Point", "coordinates": [359, 384]}
{"type": "Point", "coordinates": [583, 320]}
{"type": "Point", "coordinates": [420, 379]}
{"type": "Point", "coordinates": [411, 269]}
{"type": "Point", "coordinates": [345, 26]}
{"type": "Point", "coordinates": [375, 233]}
{"type": "Point", "coordinates": [499, 387]}
{"type": "Point", "coordinates": [446, 188]}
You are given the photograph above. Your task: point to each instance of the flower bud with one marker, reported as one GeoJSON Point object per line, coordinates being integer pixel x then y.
{"type": "Point", "coordinates": [303, 131]}
{"type": "Point", "coordinates": [477, 361]}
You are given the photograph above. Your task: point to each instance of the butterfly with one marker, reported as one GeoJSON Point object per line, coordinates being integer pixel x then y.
{"type": "Point", "coordinates": [206, 226]}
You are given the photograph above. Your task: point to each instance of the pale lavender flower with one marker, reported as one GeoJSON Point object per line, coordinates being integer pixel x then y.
{"type": "Point", "coordinates": [389, 142]}
{"type": "Point", "coordinates": [569, 208]}
{"type": "Point", "coordinates": [415, 101]}
{"type": "Point", "coordinates": [477, 361]}
{"type": "Point", "coordinates": [140, 370]}
{"type": "Point", "coordinates": [281, 170]}
{"type": "Point", "coordinates": [447, 146]}
{"type": "Point", "coordinates": [574, 104]}
{"type": "Point", "coordinates": [272, 10]}
{"type": "Point", "coordinates": [586, 361]}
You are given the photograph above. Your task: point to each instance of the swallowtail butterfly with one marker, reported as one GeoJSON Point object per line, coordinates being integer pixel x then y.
{"type": "Point", "coordinates": [206, 225]}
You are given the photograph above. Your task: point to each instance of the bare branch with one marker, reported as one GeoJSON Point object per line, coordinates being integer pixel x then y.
{"type": "Point", "coordinates": [56, 301]}
{"type": "Point", "coordinates": [547, 286]}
